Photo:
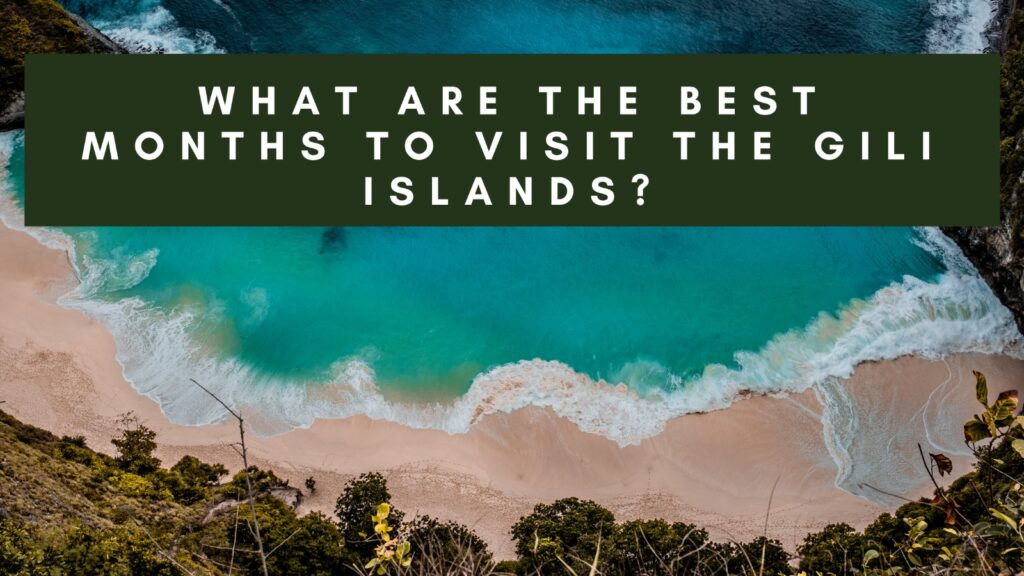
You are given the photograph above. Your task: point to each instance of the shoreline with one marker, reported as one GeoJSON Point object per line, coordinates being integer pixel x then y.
{"type": "Point", "coordinates": [58, 371]}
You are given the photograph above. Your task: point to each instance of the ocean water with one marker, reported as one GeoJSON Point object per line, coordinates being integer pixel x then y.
{"type": "Point", "coordinates": [543, 26]}
{"type": "Point", "coordinates": [617, 329]}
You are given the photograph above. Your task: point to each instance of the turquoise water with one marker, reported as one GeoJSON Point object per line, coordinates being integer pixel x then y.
{"type": "Point", "coordinates": [431, 308]}
{"type": "Point", "coordinates": [314, 322]}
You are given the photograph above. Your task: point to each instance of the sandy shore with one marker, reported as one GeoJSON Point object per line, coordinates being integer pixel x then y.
{"type": "Point", "coordinates": [58, 371]}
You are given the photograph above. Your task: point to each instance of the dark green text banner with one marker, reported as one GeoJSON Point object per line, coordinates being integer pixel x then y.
{"type": "Point", "coordinates": [512, 140]}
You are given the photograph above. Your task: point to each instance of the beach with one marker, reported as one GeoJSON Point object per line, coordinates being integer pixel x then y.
{"type": "Point", "coordinates": [58, 371]}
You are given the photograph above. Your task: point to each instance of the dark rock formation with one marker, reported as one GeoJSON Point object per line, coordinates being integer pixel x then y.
{"type": "Point", "coordinates": [998, 253]}
{"type": "Point", "coordinates": [36, 27]}
{"type": "Point", "coordinates": [991, 252]}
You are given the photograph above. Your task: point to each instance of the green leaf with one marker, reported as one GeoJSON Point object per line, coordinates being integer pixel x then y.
{"type": "Point", "coordinates": [913, 559]}
{"type": "Point", "coordinates": [1006, 519]}
{"type": "Point", "coordinates": [870, 555]}
{"type": "Point", "coordinates": [1018, 446]}
{"type": "Point", "coordinates": [1004, 407]}
{"type": "Point", "coordinates": [990, 421]}
{"type": "Point", "coordinates": [981, 388]}
{"type": "Point", "coordinates": [975, 430]}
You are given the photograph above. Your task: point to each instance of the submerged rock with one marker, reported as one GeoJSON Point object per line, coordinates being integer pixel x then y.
{"type": "Point", "coordinates": [334, 239]}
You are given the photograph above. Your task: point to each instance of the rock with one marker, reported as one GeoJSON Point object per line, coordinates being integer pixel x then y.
{"type": "Point", "coordinates": [989, 250]}
{"type": "Point", "coordinates": [50, 29]}
{"type": "Point", "coordinates": [998, 253]}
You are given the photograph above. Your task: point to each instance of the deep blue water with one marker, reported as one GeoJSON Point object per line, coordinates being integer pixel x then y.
{"type": "Point", "coordinates": [543, 26]}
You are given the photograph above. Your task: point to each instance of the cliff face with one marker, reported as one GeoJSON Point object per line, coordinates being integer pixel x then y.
{"type": "Point", "coordinates": [998, 253]}
{"type": "Point", "coordinates": [37, 26]}
{"type": "Point", "coordinates": [991, 252]}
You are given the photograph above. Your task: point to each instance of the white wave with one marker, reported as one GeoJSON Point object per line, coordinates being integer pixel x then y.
{"type": "Point", "coordinates": [11, 214]}
{"type": "Point", "coordinates": [959, 26]}
{"type": "Point", "coordinates": [152, 28]}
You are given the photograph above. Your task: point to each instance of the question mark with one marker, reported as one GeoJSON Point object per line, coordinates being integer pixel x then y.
{"type": "Point", "coordinates": [644, 181]}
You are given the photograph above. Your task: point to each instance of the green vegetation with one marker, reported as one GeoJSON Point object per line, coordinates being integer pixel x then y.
{"type": "Point", "coordinates": [31, 27]}
{"type": "Point", "coordinates": [356, 507]}
{"type": "Point", "coordinates": [68, 510]}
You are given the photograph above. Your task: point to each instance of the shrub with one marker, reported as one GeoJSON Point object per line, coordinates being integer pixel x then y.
{"type": "Point", "coordinates": [193, 478]}
{"type": "Point", "coordinates": [657, 547]}
{"type": "Point", "coordinates": [568, 529]}
{"type": "Point", "coordinates": [440, 544]}
{"type": "Point", "coordinates": [138, 486]}
{"type": "Point", "coordinates": [135, 446]}
{"type": "Point", "coordinates": [355, 508]}
{"type": "Point", "coordinates": [74, 450]}
{"type": "Point", "coordinates": [837, 549]}
{"type": "Point", "coordinates": [110, 552]}
{"type": "Point", "coordinates": [311, 545]}
{"type": "Point", "coordinates": [19, 556]}
{"type": "Point", "coordinates": [262, 481]}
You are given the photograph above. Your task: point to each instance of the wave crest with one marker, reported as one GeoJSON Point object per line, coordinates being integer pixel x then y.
{"type": "Point", "coordinates": [960, 26]}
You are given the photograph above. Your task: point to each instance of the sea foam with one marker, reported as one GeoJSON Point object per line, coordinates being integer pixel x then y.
{"type": "Point", "coordinates": [150, 27]}
{"type": "Point", "coordinates": [959, 26]}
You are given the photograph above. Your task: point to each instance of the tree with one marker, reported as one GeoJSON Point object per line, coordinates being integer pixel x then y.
{"type": "Point", "coordinates": [135, 446]}
{"type": "Point", "coordinates": [656, 547]}
{"type": "Point", "coordinates": [260, 480]}
{"type": "Point", "coordinates": [355, 508]}
{"type": "Point", "coordinates": [194, 479]}
{"type": "Point", "coordinates": [198, 472]}
{"type": "Point", "coordinates": [311, 545]}
{"type": "Point", "coordinates": [762, 556]}
{"type": "Point", "coordinates": [437, 544]}
{"type": "Point", "coordinates": [311, 485]}
{"type": "Point", "coordinates": [837, 549]}
{"type": "Point", "coordinates": [568, 529]}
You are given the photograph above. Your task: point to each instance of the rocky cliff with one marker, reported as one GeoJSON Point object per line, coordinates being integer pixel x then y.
{"type": "Point", "coordinates": [37, 26]}
{"type": "Point", "coordinates": [998, 253]}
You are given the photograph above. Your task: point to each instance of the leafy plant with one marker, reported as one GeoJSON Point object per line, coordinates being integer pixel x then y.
{"type": "Point", "coordinates": [391, 550]}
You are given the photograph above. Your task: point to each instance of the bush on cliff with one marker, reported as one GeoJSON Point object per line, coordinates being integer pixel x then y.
{"type": "Point", "coordinates": [355, 508]}
{"type": "Point", "coordinates": [35, 27]}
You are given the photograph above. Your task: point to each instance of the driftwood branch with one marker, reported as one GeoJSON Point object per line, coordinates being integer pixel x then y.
{"type": "Point", "coordinates": [248, 481]}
